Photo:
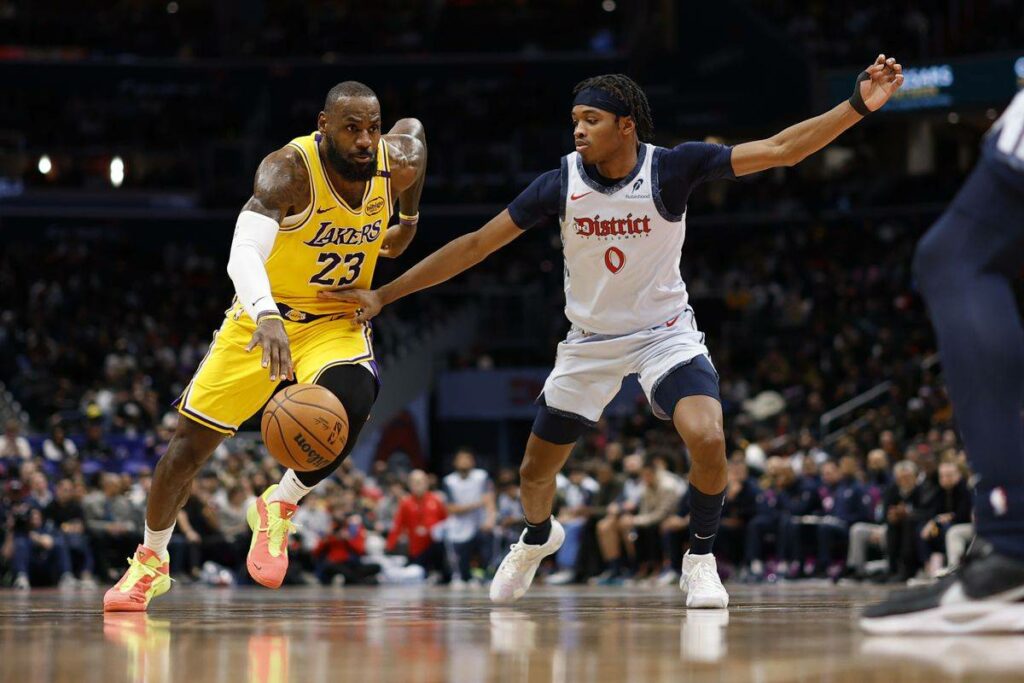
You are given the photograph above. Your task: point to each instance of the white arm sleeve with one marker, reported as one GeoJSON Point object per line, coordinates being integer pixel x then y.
{"type": "Point", "coordinates": [250, 249]}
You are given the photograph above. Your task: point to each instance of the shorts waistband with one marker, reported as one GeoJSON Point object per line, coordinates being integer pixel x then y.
{"type": "Point", "coordinates": [598, 336]}
{"type": "Point", "coordinates": [297, 316]}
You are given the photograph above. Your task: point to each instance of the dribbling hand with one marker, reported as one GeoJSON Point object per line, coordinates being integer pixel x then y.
{"type": "Point", "coordinates": [367, 302]}
{"type": "Point", "coordinates": [277, 353]}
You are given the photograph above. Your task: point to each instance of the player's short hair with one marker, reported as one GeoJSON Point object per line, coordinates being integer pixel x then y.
{"type": "Point", "coordinates": [630, 92]}
{"type": "Point", "coordinates": [348, 89]}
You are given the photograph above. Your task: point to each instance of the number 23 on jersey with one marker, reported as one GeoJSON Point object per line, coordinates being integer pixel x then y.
{"type": "Point", "coordinates": [351, 264]}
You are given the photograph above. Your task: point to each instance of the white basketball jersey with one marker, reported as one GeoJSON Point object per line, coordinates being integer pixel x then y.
{"type": "Point", "coordinates": [622, 250]}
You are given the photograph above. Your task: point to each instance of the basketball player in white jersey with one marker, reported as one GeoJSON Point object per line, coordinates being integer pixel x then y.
{"type": "Point", "coordinates": [621, 205]}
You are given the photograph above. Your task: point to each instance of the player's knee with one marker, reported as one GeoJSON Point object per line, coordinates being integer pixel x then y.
{"type": "Point", "coordinates": [188, 451]}
{"type": "Point", "coordinates": [707, 445]}
{"type": "Point", "coordinates": [534, 473]}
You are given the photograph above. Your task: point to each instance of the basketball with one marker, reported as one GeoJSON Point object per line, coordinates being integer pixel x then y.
{"type": "Point", "coordinates": [305, 427]}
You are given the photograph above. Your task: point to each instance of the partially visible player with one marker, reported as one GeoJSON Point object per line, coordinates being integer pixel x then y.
{"type": "Point", "coordinates": [965, 267]}
{"type": "Point", "coordinates": [318, 219]}
{"type": "Point", "coordinates": [621, 204]}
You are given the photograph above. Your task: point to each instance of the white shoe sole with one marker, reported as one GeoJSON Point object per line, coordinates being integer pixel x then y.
{"type": "Point", "coordinates": [960, 618]}
{"type": "Point", "coordinates": [555, 542]}
{"type": "Point", "coordinates": [707, 601]}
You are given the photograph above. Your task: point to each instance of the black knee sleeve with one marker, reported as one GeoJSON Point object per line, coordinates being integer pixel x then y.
{"type": "Point", "coordinates": [356, 388]}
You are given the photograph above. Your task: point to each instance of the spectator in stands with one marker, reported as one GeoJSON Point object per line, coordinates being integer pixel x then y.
{"type": "Point", "coordinates": [39, 552]}
{"type": "Point", "coordinates": [952, 507]}
{"type": "Point", "coordinates": [740, 506]}
{"type": "Point", "coordinates": [572, 504]}
{"type": "Point", "coordinates": [416, 520]}
{"type": "Point", "coordinates": [39, 489]}
{"type": "Point", "coordinates": [12, 444]}
{"type": "Point", "coordinates": [95, 448]}
{"type": "Point", "coordinates": [339, 554]}
{"type": "Point", "coordinates": [509, 516]}
{"type": "Point", "coordinates": [589, 561]}
{"type": "Point", "coordinates": [637, 535]}
{"type": "Point", "coordinates": [387, 507]}
{"type": "Point", "coordinates": [66, 515]}
{"type": "Point", "coordinates": [112, 523]}
{"type": "Point", "coordinates": [900, 503]}
{"type": "Point", "coordinates": [471, 515]}
{"type": "Point", "coordinates": [844, 502]}
{"type": "Point", "coordinates": [58, 447]}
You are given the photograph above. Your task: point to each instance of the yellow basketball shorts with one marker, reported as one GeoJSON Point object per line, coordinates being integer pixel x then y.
{"type": "Point", "coordinates": [231, 383]}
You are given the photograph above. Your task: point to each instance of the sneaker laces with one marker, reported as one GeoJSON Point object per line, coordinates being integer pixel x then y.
{"type": "Point", "coordinates": [137, 570]}
{"type": "Point", "coordinates": [517, 556]}
{"type": "Point", "coordinates": [277, 530]}
{"type": "Point", "coordinates": [704, 572]}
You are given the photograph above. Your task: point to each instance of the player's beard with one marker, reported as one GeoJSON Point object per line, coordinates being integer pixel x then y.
{"type": "Point", "coordinates": [348, 169]}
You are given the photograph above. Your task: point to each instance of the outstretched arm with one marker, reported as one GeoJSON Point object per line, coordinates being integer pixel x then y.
{"type": "Point", "coordinates": [458, 255]}
{"type": "Point", "coordinates": [796, 143]}
{"type": "Point", "coordinates": [407, 146]}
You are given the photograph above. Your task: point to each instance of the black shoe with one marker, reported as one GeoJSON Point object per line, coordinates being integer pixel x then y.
{"type": "Point", "coordinates": [986, 595]}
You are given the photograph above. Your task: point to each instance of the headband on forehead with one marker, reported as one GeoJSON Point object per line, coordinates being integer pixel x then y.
{"type": "Point", "coordinates": [602, 99]}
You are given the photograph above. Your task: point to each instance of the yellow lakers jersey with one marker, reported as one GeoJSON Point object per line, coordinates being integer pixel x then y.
{"type": "Point", "coordinates": [330, 244]}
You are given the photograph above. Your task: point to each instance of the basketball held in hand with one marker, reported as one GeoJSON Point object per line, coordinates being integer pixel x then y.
{"type": "Point", "coordinates": [305, 427]}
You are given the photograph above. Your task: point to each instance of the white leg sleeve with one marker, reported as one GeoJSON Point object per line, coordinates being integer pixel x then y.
{"type": "Point", "coordinates": [250, 249]}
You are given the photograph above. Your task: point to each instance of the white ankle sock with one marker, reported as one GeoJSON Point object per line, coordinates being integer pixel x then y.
{"type": "Point", "coordinates": [290, 490]}
{"type": "Point", "coordinates": [157, 541]}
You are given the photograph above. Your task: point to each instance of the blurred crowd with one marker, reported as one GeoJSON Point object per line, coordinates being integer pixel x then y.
{"type": "Point", "coordinates": [898, 511]}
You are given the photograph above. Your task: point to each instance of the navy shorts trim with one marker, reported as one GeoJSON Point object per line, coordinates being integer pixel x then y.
{"type": "Point", "coordinates": [559, 426]}
{"type": "Point", "coordinates": [694, 377]}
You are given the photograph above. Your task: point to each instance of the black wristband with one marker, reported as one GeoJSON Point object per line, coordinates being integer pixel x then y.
{"type": "Point", "coordinates": [856, 99]}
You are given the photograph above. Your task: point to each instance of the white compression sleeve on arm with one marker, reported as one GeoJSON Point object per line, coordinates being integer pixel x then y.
{"type": "Point", "coordinates": [250, 249]}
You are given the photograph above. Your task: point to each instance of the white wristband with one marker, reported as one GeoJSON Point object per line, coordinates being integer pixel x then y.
{"type": "Point", "coordinates": [250, 249]}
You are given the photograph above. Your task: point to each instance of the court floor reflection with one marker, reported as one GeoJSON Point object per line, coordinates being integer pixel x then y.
{"type": "Point", "coordinates": [780, 633]}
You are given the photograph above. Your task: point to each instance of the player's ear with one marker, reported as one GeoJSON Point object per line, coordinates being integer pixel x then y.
{"type": "Point", "coordinates": [627, 126]}
{"type": "Point", "coordinates": [321, 122]}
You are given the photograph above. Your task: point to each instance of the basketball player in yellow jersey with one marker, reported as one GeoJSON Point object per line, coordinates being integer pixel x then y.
{"type": "Point", "coordinates": [318, 219]}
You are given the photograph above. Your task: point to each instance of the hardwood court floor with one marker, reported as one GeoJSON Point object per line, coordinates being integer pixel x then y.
{"type": "Point", "coordinates": [306, 635]}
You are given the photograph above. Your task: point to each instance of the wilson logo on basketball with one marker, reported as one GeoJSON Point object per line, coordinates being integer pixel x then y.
{"type": "Point", "coordinates": [312, 457]}
{"type": "Point", "coordinates": [599, 227]}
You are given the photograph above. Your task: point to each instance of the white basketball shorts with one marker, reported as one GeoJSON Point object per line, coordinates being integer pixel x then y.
{"type": "Point", "coordinates": [589, 368]}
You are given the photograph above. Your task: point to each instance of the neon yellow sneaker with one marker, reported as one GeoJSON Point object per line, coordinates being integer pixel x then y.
{"type": "Point", "coordinates": [147, 577]}
{"type": "Point", "coordinates": [267, 561]}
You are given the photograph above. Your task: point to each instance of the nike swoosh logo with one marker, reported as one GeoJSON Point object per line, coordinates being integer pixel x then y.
{"type": "Point", "coordinates": [574, 197]}
{"type": "Point", "coordinates": [703, 538]}
{"type": "Point", "coordinates": [324, 210]}
{"type": "Point", "coordinates": [257, 566]}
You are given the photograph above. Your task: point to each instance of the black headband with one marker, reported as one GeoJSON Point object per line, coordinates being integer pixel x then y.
{"type": "Point", "coordinates": [602, 99]}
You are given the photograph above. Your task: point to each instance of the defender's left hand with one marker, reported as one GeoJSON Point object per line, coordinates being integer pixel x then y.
{"type": "Point", "coordinates": [885, 77]}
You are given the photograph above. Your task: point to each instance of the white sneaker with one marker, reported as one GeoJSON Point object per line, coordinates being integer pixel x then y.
{"type": "Point", "coordinates": [515, 574]}
{"type": "Point", "coordinates": [21, 583]}
{"type": "Point", "coordinates": [701, 584]}
{"type": "Point", "coordinates": [67, 582]}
